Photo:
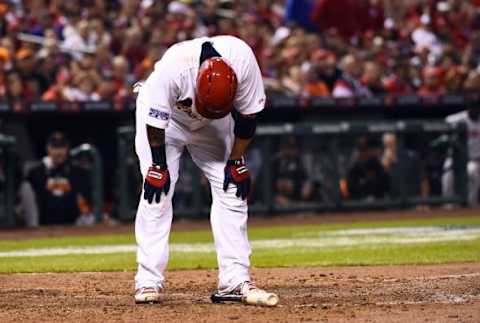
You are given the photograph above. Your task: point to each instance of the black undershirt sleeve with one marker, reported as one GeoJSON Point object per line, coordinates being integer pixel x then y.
{"type": "Point", "coordinates": [245, 125]}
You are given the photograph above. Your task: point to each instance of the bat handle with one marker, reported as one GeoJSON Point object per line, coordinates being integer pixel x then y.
{"type": "Point", "coordinates": [216, 298]}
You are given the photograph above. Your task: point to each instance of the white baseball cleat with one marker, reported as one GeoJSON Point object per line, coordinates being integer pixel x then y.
{"type": "Point", "coordinates": [149, 295]}
{"type": "Point", "coordinates": [247, 293]}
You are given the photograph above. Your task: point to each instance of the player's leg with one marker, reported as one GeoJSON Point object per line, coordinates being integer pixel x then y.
{"type": "Point", "coordinates": [210, 149]}
{"type": "Point", "coordinates": [448, 178]}
{"type": "Point", "coordinates": [153, 221]}
{"type": "Point", "coordinates": [473, 172]}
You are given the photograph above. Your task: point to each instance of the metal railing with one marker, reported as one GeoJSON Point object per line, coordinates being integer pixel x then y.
{"type": "Point", "coordinates": [322, 141]}
{"type": "Point", "coordinates": [96, 179]}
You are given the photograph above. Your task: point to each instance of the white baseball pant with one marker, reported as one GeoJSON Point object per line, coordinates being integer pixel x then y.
{"type": "Point", "coordinates": [210, 148]}
{"type": "Point", "coordinates": [473, 174]}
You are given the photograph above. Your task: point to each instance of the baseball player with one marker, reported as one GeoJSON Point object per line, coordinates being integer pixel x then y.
{"type": "Point", "coordinates": [203, 95]}
{"type": "Point", "coordinates": [471, 118]}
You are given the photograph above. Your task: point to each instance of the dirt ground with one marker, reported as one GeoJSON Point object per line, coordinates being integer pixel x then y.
{"type": "Point", "coordinates": [445, 293]}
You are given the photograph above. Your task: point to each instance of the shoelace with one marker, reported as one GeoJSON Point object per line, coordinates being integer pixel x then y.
{"type": "Point", "coordinates": [147, 289]}
{"type": "Point", "coordinates": [251, 286]}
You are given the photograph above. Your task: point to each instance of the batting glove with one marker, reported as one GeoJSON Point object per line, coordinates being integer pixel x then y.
{"type": "Point", "coordinates": [236, 172]}
{"type": "Point", "coordinates": [156, 182]}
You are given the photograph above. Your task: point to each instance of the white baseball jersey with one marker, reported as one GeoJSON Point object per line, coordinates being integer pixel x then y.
{"type": "Point", "coordinates": [473, 132]}
{"type": "Point", "coordinates": [174, 80]}
{"type": "Point", "coordinates": [473, 166]}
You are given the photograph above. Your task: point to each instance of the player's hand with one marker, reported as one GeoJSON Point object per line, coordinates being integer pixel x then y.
{"type": "Point", "coordinates": [236, 172]}
{"type": "Point", "coordinates": [156, 181]}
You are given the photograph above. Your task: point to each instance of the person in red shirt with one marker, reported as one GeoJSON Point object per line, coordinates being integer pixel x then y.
{"type": "Point", "coordinates": [348, 17]}
{"type": "Point", "coordinates": [335, 14]}
{"type": "Point", "coordinates": [372, 78]}
{"type": "Point", "coordinates": [432, 82]}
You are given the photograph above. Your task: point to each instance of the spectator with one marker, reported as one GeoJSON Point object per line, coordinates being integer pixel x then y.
{"type": "Point", "coordinates": [314, 87]}
{"type": "Point", "coordinates": [348, 17]}
{"type": "Point", "coordinates": [432, 82]}
{"type": "Point", "coordinates": [32, 81]}
{"type": "Point", "coordinates": [120, 75]}
{"type": "Point", "coordinates": [338, 15]}
{"type": "Point", "coordinates": [372, 78]}
{"type": "Point", "coordinates": [354, 47]}
{"type": "Point", "coordinates": [292, 82]}
{"type": "Point", "coordinates": [60, 188]}
{"type": "Point", "coordinates": [398, 162]}
{"type": "Point", "coordinates": [79, 39]}
{"type": "Point", "coordinates": [425, 38]}
{"type": "Point", "coordinates": [366, 177]}
{"type": "Point", "coordinates": [83, 89]}
{"type": "Point", "coordinates": [289, 174]}
{"type": "Point", "coordinates": [324, 64]}
{"type": "Point", "coordinates": [298, 11]}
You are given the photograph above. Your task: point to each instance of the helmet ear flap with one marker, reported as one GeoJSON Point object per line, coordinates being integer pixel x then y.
{"type": "Point", "coordinates": [216, 88]}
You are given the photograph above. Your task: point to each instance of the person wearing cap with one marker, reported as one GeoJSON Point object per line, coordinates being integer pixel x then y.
{"type": "Point", "coordinates": [33, 82]}
{"type": "Point", "coordinates": [60, 187]}
{"type": "Point", "coordinates": [471, 118]}
{"type": "Point", "coordinates": [203, 95]}
{"type": "Point", "coordinates": [366, 177]}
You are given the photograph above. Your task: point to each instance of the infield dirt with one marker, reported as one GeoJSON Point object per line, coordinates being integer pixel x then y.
{"type": "Point", "coordinates": [444, 293]}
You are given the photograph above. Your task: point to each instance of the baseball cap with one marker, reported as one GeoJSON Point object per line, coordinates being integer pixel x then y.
{"type": "Point", "coordinates": [57, 140]}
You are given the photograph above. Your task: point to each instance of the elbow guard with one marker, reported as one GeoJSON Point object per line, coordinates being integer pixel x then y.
{"type": "Point", "coordinates": [245, 126]}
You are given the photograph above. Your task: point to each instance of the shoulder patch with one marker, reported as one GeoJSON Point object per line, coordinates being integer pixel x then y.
{"type": "Point", "coordinates": [157, 114]}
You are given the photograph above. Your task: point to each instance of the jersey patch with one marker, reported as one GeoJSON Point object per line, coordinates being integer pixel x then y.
{"type": "Point", "coordinates": [157, 114]}
{"type": "Point", "coordinates": [186, 106]}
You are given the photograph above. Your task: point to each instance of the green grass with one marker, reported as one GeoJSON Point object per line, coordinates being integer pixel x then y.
{"type": "Point", "coordinates": [361, 254]}
{"type": "Point", "coordinates": [279, 232]}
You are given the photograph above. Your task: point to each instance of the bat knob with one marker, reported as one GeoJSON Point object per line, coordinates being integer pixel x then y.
{"type": "Point", "coordinates": [215, 299]}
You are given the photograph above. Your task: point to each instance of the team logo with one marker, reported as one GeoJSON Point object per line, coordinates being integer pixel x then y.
{"type": "Point", "coordinates": [157, 114]}
{"type": "Point", "coordinates": [187, 107]}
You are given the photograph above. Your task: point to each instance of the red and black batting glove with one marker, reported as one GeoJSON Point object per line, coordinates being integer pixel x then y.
{"type": "Point", "coordinates": [156, 182]}
{"type": "Point", "coordinates": [236, 172]}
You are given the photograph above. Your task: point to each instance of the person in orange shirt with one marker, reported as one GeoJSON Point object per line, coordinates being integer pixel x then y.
{"type": "Point", "coordinates": [3, 82]}
{"type": "Point", "coordinates": [314, 86]}
{"type": "Point", "coordinates": [61, 188]}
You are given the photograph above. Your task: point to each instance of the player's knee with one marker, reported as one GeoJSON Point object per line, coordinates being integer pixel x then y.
{"type": "Point", "coordinates": [156, 209]}
{"type": "Point", "coordinates": [231, 203]}
{"type": "Point", "coordinates": [473, 170]}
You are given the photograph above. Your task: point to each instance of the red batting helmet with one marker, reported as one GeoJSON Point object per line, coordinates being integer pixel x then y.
{"type": "Point", "coordinates": [216, 88]}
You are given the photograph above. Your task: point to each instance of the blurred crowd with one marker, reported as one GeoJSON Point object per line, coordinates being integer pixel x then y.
{"type": "Point", "coordinates": [90, 50]}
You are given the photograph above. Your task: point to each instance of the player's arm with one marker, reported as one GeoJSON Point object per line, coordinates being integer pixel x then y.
{"type": "Point", "coordinates": [250, 100]}
{"type": "Point", "coordinates": [236, 170]}
{"type": "Point", "coordinates": [156, 140]}
{"type": "Point", "coordinates": [244, 130]}
{"type": "Point", "coordinates": [156, 97]}
{"type": "Point", "coordinates": [157, 179]}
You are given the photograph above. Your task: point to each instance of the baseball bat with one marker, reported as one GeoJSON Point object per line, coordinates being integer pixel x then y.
{"type": "Point", "coordinates": [218, 298]}
{"type": "Point", "coordinates": [265, 299]}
